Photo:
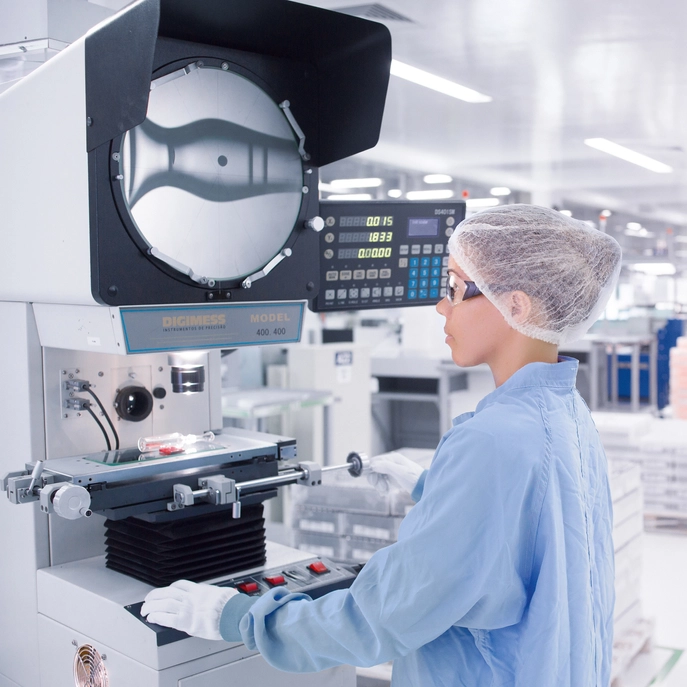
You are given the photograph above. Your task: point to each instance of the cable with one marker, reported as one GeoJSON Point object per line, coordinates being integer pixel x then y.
{"type": "Point", "coordinates": [102, 428]}
{"type": "Point", "coordinates": [107, 417]}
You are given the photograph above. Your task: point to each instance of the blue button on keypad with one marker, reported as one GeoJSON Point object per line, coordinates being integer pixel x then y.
{"type": "Point", "coordinates": [412, 283]}
{"type": "Point", "coordinates": [412, 273]}
{"type": "Point", "coordinates": [436, 262]}
{"type": "Point", "coordinates": [423, 293]}
{"type": "Point", "coordinates": [412, 294]}
{"type": "Point", "coordinates": [434, 293]}
{"type": "Point", "coordinates": [424, 272]}
{"type": "Point", "coordinates": [424, 283]}
{"type": "Point", "coordinates": [434, 283]}
{"type": "Point", "coordinates": [414, 262]}
{"type": "Point", "coordinates": [425, 262]}
{"type": "Point", "coordinates": [436, 271]}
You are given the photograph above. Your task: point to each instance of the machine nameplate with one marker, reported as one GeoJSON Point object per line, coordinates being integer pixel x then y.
{"type": "Point", "coordinates": [213, 326]}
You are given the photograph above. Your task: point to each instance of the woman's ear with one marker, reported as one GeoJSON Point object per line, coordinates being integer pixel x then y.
{"type": "Point", "coordinates": [520, 306]}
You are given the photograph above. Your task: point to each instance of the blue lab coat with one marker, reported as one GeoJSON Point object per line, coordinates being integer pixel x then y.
{"type": "Point", "coordinates": [503, 570]}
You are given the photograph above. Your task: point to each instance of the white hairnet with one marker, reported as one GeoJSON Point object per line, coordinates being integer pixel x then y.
{"type": "Point", "coordinates": [567, 268]}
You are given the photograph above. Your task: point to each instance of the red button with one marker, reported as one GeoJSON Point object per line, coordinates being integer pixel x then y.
{"type": "Point", "coordinates": [248, 587]}
{"type": "Point", "coordinates": [318, 567]}
{"type": "Point", "coordinates": [275, 580]}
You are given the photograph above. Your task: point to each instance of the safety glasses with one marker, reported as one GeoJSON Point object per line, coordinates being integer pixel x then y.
{"type": "Point", "coordinates": [458, 290]}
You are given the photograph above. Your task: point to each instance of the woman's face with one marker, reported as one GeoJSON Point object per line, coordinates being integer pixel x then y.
{"type": "Point", "coordinates": [475, 330]}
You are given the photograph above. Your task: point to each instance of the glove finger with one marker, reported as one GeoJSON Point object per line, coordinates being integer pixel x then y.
{"type": "Point", "coordinates": [160, 605]}
{"type": "Point", "coordinates": [185, 585]}
{"type": "Point", "coordinates": [166, 619]}
{"type": "Point", "coordinates": [165, 593]}
{"type": "Point", "coordinates": [385, 467]}
{"type": "Point", "coordinates": [379, 481]}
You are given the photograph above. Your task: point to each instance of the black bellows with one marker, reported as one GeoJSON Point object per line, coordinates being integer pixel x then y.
{"type": "Point", "coordinates": [197, 549]}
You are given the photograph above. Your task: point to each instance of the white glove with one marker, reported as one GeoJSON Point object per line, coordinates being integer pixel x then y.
{"type": "Point", "coordinates": [189, 607]}
{"type": "Point", "coordinates": [393, 469]}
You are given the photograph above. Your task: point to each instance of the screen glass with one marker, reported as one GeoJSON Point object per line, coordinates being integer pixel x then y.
{"type": "Point", "coordinates": [213, 177]}
{"type": "Point", "coordinates": [423, 226]}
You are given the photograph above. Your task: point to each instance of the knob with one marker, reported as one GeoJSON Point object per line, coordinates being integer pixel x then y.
{"type": "Point", "coordinates": [72, 502]}
{"type": "Point", "coordinates": [315, 223]}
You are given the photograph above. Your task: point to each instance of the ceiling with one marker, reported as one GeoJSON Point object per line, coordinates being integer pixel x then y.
{"type": "Point", "coordinates": [559, 71]}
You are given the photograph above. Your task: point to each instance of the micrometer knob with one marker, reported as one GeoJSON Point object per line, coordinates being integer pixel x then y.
{"type": "Point", "coordinates": [72, 502]}
{"type": "Point", "coordinates": [359, 463]}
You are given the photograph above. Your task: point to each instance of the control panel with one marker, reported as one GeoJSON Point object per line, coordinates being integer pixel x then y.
{"type": "Point", "coordinates": [384, 254]}
{"type": "Point", "coordinates": [314, 577]}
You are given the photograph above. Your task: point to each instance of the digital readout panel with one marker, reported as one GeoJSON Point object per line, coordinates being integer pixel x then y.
{"type": "Point", "coordinates": [381, 254]}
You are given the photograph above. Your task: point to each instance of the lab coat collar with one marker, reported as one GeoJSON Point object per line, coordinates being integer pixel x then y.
{"type": "Point", "coordinates": [561, 374]}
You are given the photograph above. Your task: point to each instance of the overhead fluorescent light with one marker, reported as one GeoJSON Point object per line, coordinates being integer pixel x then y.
{"type": "Point", "coordinates": [500, 191]}
{"type": "Point", "coordinates": [633, 226]}
{"type": "Point", "coordinates": [349, 196]}
{"type": "Point", "coordinates": [394, 193]}
{"type": "Point", "coordinates": [437, 179]}
{"type": "Point", "coordinates": [606, 146]}
{"type": "Point", "coordinates": [606, 213]}
{"type": "Point", "coordinates": [437, 83]}
{"type": "Point", "coordinates": [439, 194]}
{"type": "Point", "coordinates": [681, 239]}
{"type": "Point", "coordinates": [567, 213]}
{"type": "Point", "coordinates": [482, 202]}
{"type": "Point", "coordinates": [654, 268]}
{"type": "Point", "coordinates": [371, 182]}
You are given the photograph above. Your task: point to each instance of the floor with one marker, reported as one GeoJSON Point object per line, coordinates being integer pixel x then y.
{"type": "Point", "coordinates": [665, 601]}
{"type": "Point", "coordinates": [664, 593]}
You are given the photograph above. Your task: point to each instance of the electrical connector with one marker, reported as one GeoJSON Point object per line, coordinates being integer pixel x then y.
{"type": "Point", "coordinates": [77, 404]}
{"type": "Point", "coordinates": [77, 385]}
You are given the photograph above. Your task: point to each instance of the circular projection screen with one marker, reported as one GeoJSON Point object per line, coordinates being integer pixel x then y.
{"type": "Point", "coordinates": [212, 178]}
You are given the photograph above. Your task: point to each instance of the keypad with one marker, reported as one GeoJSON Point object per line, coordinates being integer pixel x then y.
{"type": "Point", "coordinates": [388, 291]}
{"type": "Point", "coordinates": [329, 294]}
{"type": "Point", "coordinates": [415, 249]}
{"type": "Point", "coordinates": [398, 291]}
{"type": "Point", "coordinates": [403, 250]}
{"type": "Point", "coordinates": [333, 275]}
{"type": "Point", "coordinates": [365, 293]}
{"type": "Point", "coordinates": [372, 274]}
{"type": "Point", "coordinates": [341, 294]}
{"type": "Point", "coordinates": [427, 248]}
{"type": "Point", "coordinates": [353, 293]}
{"type": "Point", "coordinates": [385, 274]}
{"type": "Point", "coordinates": [376, 292]}
{"type": "Point", "coordinates": [345, 275]}
{"type": "Point", "coordinates": [359, 274]}
{"type": "Point", "coordinates": [403, 262]}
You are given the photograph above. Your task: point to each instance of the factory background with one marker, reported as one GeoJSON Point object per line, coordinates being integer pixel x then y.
{"type": "Point", "coordinates": [576, 107]}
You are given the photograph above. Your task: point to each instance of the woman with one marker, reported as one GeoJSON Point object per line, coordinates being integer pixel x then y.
{"type": "Point", "coordinates": [503, 570]}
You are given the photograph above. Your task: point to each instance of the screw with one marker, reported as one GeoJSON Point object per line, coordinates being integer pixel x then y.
{"type": "Point", "coordinates": [89, 121]}
{"type": "Point", "coordinates": [225, 66]}
{"type": "Point", "coordinates": [305, 189]}
{"type": "Point", "coordinates": [71, 376]}
{"type": "Point", "coordinates": [64, 372]}
{"type": "Point", "coordinates": [71, 394]}
{"type": "Point", "coordinates": [101, 374]}
{"type": "Point", "coordinates": [211, 282]}
{"type": "Point", "coordinates": [65, 416]}
{"type": "Point", "coordinates": [211, 296]}
{"type": "Point", "coordinates": [200, 64]}
{"type": "Point", "coordinates": [77, 370]}
{"type": "Point", "coordinates": [115, 157]}
{"type": "Point", "coordinates": [74, 643]}
{"type": "Point", "coordinates": [104, 657]}
{"type": "Point", "coordinates": [162, 407]}
{"type": "Point", "coordinates": [159, 369]}
{"type": "Point", "coordinates": [78, 415]}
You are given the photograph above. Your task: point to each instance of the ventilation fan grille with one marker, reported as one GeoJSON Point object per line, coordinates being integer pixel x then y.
{"type": "Point", "coordinates": [374, 11]}
{"type": "Point", "coordinates": [197, 548]}
{"type": "Point", "coordinates": [89, 668]}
